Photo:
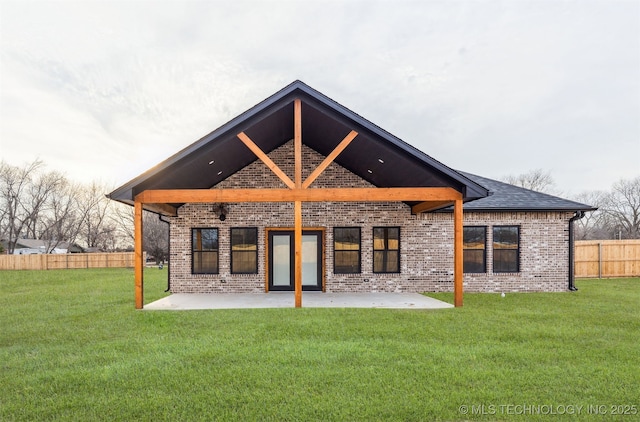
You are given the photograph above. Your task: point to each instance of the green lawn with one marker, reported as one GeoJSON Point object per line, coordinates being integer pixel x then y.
{"type": "Point", "coordinates": [72, 347]}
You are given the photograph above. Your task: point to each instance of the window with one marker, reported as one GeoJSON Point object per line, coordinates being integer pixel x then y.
{"type": "Point", "coordinates": [244, 250]}
{"type": "Point", "coordinates": [506, 245]}
{"type": "Point", "coordinates": [386, 249]}
{"type": "Point", "coordinates": [346, 250]}
{"type": "Point", "coordinates": [474, 241]}
{"type": "Point", "coordinates": [204, 247]}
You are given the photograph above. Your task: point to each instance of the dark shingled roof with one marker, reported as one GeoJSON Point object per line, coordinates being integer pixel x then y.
{"type": "Point", "coordinates": [506, 197]}
{"type": "Point", "coordinates": [375, 155]}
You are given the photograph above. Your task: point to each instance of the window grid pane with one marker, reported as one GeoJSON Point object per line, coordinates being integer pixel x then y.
{"type": "Point", "coordinates": [244, 262]}
{"type": "Point", "coordinates": [347, 262]}
{"type": "Point", "coordinates": [474, 261]}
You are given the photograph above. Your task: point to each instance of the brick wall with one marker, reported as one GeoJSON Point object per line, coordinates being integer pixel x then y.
{"type": "Point", "coordinates": [426, 240]}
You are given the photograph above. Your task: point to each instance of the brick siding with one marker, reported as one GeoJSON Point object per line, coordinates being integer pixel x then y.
{"type": "Point", "coordinates": [426, 240]}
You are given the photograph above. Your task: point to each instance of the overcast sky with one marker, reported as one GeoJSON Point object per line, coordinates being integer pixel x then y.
{"type": "Point", "coordinates": [106, 90]}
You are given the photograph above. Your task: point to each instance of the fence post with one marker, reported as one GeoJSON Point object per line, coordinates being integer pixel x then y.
{"type": "Point", "coordinates": [599, 260]}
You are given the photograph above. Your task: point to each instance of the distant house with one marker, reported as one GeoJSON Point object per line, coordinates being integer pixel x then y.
{"type": "Point", "coordinates": [300, 193]}
{"type": "Point", "coordinates": [37, 246]}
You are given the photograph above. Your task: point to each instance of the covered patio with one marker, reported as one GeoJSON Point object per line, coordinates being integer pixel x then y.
{"type": "Point", "coordinates": [394, 171]}
{"type": "Point", "coordinates": [193, 301]}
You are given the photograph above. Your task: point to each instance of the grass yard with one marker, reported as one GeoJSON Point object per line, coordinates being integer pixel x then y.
{"type": "Point", "coordinates": [72, 347]}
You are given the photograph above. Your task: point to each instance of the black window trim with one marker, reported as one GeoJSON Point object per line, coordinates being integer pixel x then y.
{"type": "Point", "coordinates": [231, 249]}
{"type": "Point", "coordinates": [517, 249]}
{"type": "Point", "coordinates": [386, 234]}
{"type": "Point", "coordinates": [193, 251]}
{"type": "Point", "coordinates": [359, 271]}
{"type": "Point", "coordinates": [484, 250]}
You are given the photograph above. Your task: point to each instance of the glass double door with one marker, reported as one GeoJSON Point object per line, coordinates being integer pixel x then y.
{"type": "Point", "coordinates": [282, 260]}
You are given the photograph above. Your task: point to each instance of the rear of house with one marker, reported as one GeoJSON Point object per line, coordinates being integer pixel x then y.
{"type": "Point", "coordinates": [373, 213]}
{"type": "Point", "coordinates": [362, 246]}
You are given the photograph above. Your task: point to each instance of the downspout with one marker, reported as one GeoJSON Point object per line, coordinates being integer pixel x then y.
{"type": "Point", "coordinates": [578, 215]}
{"type": "Point", "coordinates": [168, 251]}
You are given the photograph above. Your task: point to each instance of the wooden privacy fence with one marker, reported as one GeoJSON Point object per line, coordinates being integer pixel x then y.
{"type": "Point", "coordinates": [607, 258]}
{"type": "Point", "coordinates": [67, 261]}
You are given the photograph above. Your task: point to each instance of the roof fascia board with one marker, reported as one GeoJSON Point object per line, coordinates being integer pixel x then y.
{"type": "Point", "coordinates": [512, 209]}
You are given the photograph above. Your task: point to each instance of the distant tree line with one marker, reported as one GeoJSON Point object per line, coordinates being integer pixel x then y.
{"type": "Point", "coordinates": [618, 213]}
{"type": "Point", "coordinates": [45, 205]}
{"type": "Point", "coordinates": [40, 204]}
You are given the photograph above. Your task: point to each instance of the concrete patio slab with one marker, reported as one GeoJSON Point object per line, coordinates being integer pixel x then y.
{"type": "Point", "coordinates": [185, 301]}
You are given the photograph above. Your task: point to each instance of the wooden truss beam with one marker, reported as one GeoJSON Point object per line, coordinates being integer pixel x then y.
{"type": "Point", "coordinates": [429, 206]}
{"type": "Point", "coordinates": [297, 142]}
{"type": "Point", "coordinates": [265, 159]}
{"type": "Point", "coordinates": [170, 196]}
{"type": "Point", "coordinates": [164, 209]}
{"type": "Point", "coordinates": [329, 159]}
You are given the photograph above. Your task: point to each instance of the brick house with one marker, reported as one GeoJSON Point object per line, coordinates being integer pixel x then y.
{"type": "Point", "coordinates": [300, 193]}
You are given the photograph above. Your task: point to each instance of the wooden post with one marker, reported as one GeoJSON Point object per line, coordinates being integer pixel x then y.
{"type": "Point", "coordinates": [297, 141]}
{"type": "Point", "coordinates": [458, 252]}
{"type": "Point", "coordinates": [138, 255]}
{"type": "Point", "coordinates": [298, 252]}
{"type": "Point", "coordinates": [297, 205]}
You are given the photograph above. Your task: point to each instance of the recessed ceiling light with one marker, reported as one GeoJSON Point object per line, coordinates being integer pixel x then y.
{"type": "Point", "coordinates": [370, 172]}
{"type": "Point", "coordinates": [220, 172]}
{"type": "Point", "coordinates": [381, 160]}
{"type": "Point", "coordinates": [212, 161]}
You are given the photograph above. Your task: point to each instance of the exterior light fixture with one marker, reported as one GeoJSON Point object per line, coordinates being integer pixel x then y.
{"type": "Point", "coordinates": [221, 210]}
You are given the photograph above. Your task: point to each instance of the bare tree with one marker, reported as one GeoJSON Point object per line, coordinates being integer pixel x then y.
{"type": "Point", "coordinates": [62, 222]}
{"type": "Point", "coordinates": [122, 218]}
{"type": "Point", "coordinates": [15, 185]}
{"type": "Point", "coordinates": [44, 187]}
{"type": "Point", "coordinates": [97, 230]}
{"type": "Point", "coordinates": [537, 180]}
{"type": "Point", "coordinates": [155, 237]}
{"type": "Point", "coordinates": [155, 233]}
{"type": "Point", "coordinates": [622, 207]}
{"type": "Point", "coordinates": [591, 226]}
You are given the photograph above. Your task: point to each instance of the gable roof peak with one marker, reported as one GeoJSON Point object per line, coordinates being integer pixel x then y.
{"type": "Point", "coordinates": [375, 155]}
